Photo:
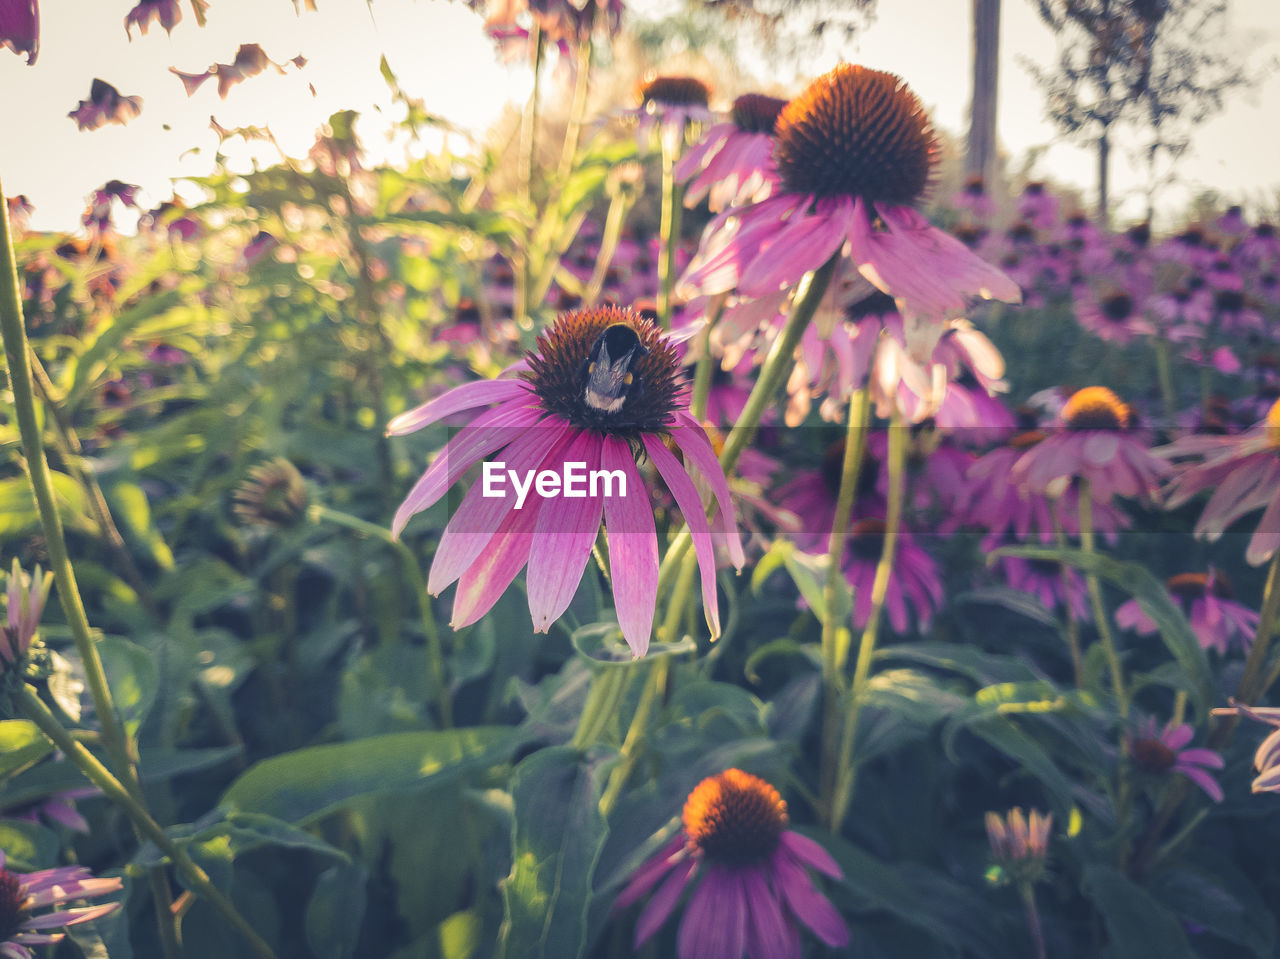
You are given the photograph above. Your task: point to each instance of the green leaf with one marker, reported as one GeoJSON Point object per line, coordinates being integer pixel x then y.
{"type": "Point", "coordinates": [133, 678]}
{"type": "Point", "coordinates": [308, 784]}
{"type": "Point", "coordinates": [556, 840]}
{"type": "Point", "coordinates": [1136, 923]}
{"type": "Point", "coordinates": [129, 503]}
{"type": "Point", "coordinates": [981, 667]}
{"type": "Point", "coordinates": [335, 911]}
{"type": "Point", "coordinates": [1223, 901]}
{"type": "Point", "coordinates": [1007, 737]}
{"type": "Point", "coordinates": [27, 846]}
{"type": "Point", "coordinates": [809, 572]}
{"type": "Point", "coordinates": [1136, 580]}
{"type": "Point", "coordinates": [601, 644]}
{"type": "Point", "coordinates": [21, 745]}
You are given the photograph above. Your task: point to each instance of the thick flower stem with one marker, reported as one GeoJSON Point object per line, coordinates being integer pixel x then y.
{"type": "Point", "coordinates": [619, 205]}
{"type": "Point", "coordinates": [578, 109]}
{"type": "Point", "coordinates": [418, 583]}
{"type": "Point", "coordinates": [1028, 894]}
{"type": "Point", "coordinates": [832, 656]}
{"type": "Point", "coordinates": [846, 769]}
{"type": "Point", "coordinates": [1253, 683]}
{"type": "Point", "coordinates": [668, 230]}
{"type": "Point", "coordinates": [776, 368]}
{"type": "Point", "coordinates": [604, 696]}
{"type": "Point", "coordinates": [114, 738]}
{"type": "Point", "coordinates": [35, 710]}
{"type": "Point", "coordinates": [655, 685]}
{"type": "Point", "coordinates": [1073, 630]}
{"type": "Point", "coordinates": [704, 369]}
{"type": "Point", "coordinates": [1164, 373]}
{"type": "Point", "coordinates": [1099, 610]}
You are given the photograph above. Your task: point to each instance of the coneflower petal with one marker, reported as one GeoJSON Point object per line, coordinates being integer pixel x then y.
{"type": "Point", "coordinates": [468, 396]}
{"type": "Point", "coordinates": [633, 546]}
{"type": "Point", "coordinates": [690, 503]}
{"type": "Point", "coordinates": [562, 538]}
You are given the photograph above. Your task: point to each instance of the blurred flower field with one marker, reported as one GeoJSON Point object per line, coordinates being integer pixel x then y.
{"type": "Point", "coordinates": [706, 525]}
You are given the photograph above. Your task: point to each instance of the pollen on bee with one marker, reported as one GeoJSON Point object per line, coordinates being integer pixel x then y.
{"type": "Point", "coordinates": [628, 379]}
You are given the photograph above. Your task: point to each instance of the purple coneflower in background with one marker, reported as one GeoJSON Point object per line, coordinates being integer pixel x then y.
{"type": "Point", "coordinates": [1216, 618]}
{"type": "Point", "coordinates": [914, 577]}
{"type": "Point", "coordinates": [22, 894]}
{"type": "Point", "coordinates": [853, 153]}
{"type": "Point", "coordinates": [20, 27]}
{"type": "Point", "coordinates": [553, 414]}
{"type": "Point", "coordinates": [105, 105]}
{"type": "Point", "coordinates": [1114, 316]}
{"type": "Point", "coordinates": [1043, 580]}
{"type": "Point", "coordinates": [1244, 473]}
{"type": "Point", "coordinates": [1020, 843]}
{"type": "Point", "coordinates": [1164, 751]}
{"type": "Point", "coordinates": [729, 166]}
{"type": "Point", "coordinates": [1093, 443]}
{"type": "Point", "coordinates": [670, 105]}
{"type": "Point", "coordinates": [751, 875]}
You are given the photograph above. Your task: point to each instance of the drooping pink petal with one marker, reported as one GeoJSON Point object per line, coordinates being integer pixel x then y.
{"type": "Point", "coordinates": [804, 244]}
{"type": "Point", "coordinates": [1266, 539]}
{"type": "Point", "coordinates": [478, 516]}
{"type": "Point", "coordinates": [715, 921]}
{"type": "Point", "coordinates": [1203, 780]}
{"type": "Point", "coordinates": [647, 876]}
{"type": "Point", "coordinates": [768, 932]}
{"type": "Point", "coordinates": [489, 431]}
{"type": "Point", "coordinates": [562, 538]}
{"type": "Point", "coordinates": [663, 901]}
{"type": "Point", "coordinates": [810, 853]}
{"type": "Point", "coordinates": [1201, 757]}
{"type": "Point", "coordinates": [633, 548]}
{"type": "Point", "coordinates": [1178, 736]}
{"type": "Point", "coordinates": [690, 503]}
{"type": "Point", "coordinates": [502, 558]}
{"type": "Point", "coordinates": [809, 906]}
{"type": "Point", "coordinates": [468, 396]}
{"type": "Point", "coordinates": [693, 442]}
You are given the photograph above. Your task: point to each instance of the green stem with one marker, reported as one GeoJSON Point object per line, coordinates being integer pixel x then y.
{"type": "Point", "coordinates": [655, 684]}
{"type": "Point", "coordinates": [669, 231]}
{"type": "Point", "coordinates": [832, 659]}
{"type": "Point", "coordinates": [578, 109]}
{"type": "Point", "coordinates": [1164, 373]}
{"type": "Point", "coordinates": [1099, 610]}
{"type": "Point", "coordinates": [619, 205]}
{"type": "Point", "coordinates": [1250, 688]}
{"type": "Point", "coordinates": [847, 770]}
{"type": "Point", "coordinates": [608, 686]}
{"type": "Point", "coordinates": [776, 368]}
{"type": "Point", "coordinates": [1073, 628]}
{"type": "Point", "coordinates": [417, 582]}
{"type": "Point", "coordinates": [114, 789]}
{"type": "Point", "coordinates": [1028, 894]}
{"type": "Point", "coordinates": [704, 369]}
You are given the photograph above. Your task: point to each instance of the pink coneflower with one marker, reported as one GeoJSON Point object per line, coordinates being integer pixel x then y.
{"type": "Point", "coordinates": [602, 385]}
{"type": "Point", "coordinates": [973, 199]}
{"type": "Point", "coordinates": [1038, 206]}
{"type": "Point", "coordinates": [23, 608]}
{"type": "Point", "coordinates": [1020, 843]}
{"type": "Point", "coordinates": [1114, 316]}
{"type": "Point", "coordinates": [1094, 443]}
{"type": "Point", "coordinates": [752, 884]}
{"type": "Point", "coordinates": [20, 27]}
{"type": "Point", "coordinates": [105, 105]}
{"type": "Point", "coordinates": [914, 577]}
{"type": "Point", "coordinates": [670, 105]}
{"type": "Point", "coordinates": [853, 153]}
{"type": "Point", "coordinates": [1164, 751]}
{"type": "Point", "coordinates": [23, 894]}
{"type": "Point", "coordinates": [729, 166]}
{"type": "Point", "coordinates": [166, 12]}
{"type": "Point", "coordinates": [1216, 618]}
{"type": "Point", "coordinates": [1244, 473]}
{"type": "Point", "coordinates": [1043, 579]}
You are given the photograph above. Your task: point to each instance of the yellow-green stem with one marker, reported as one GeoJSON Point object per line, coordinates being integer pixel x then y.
{"type": "Point", "coordinates": [669, 229]}
{"type": "Point", "coordinates": [704, 369]}
{"type": "Point", "coordinates": [619, 205]}
{"type": "Point", "coordinates": [776, 368]}
{"type": "Point", "coordinates": [35, 710]}
{"type": "Point", "coordinates": [604, 696]}
{"type": "Point", "coordinates": [847, 769]}
{"type": "Point", "coordinates": [655, 684]}
{"type": "Point", "coordinates": [418, 583]}
{"type": "Point", "coordinates": [1073, 628]}
{"type": "Point", "coordinates": [1250, 687]}
{"type": "Point", "coordinates": [578, 109]}
{"type": "Point", "coordinates": [832, 659]}
{"type": "Point", "coordinates": [1099, 610]}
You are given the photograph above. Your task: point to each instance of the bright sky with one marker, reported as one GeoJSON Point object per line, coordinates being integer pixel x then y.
{"type": "Point", "coordinates": [439, 53]}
